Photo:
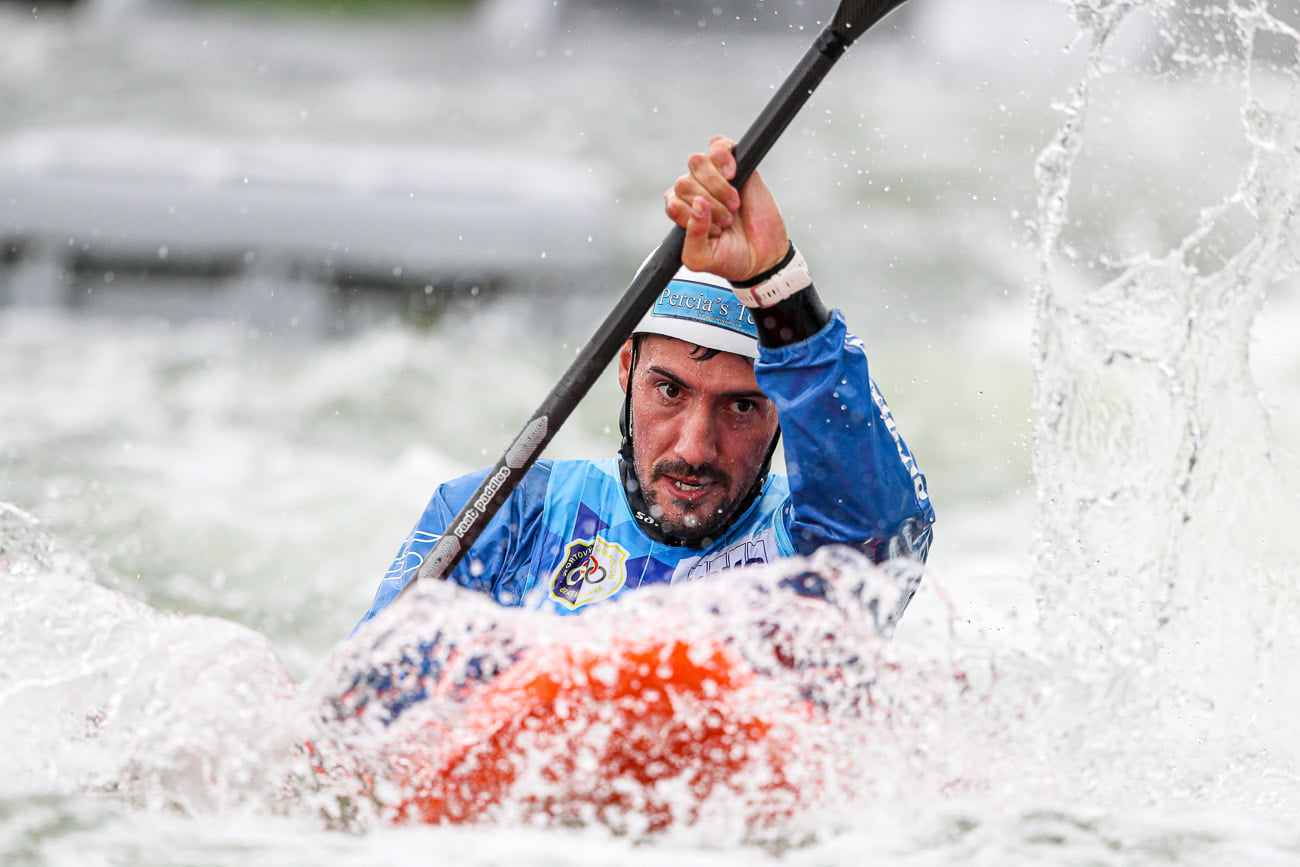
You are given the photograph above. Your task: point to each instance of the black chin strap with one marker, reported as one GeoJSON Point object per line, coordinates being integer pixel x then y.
{"type": "Point", "coordinates": [632, 485]}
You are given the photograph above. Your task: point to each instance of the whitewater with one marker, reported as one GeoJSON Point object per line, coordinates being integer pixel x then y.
{"type": "Point", "coordinates": [1069, 240]}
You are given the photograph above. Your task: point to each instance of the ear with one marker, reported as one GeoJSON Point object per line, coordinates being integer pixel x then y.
{"type": "Point", "coordinates": [624, 365]}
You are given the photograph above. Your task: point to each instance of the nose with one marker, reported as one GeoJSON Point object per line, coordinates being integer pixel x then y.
{"type": "Point", "coordinates": [697, 435]}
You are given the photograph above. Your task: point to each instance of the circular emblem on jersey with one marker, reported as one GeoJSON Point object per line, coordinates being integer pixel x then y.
{"type": "Point", "coordinates": [592, 570]}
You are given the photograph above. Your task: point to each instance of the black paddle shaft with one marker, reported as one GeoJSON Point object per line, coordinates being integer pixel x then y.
{"type": "Point", "coordinates": [851, 20]}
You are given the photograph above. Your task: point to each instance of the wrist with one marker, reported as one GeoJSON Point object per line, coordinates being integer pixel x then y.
{"type": "Point", "coordinates": [787, 277]}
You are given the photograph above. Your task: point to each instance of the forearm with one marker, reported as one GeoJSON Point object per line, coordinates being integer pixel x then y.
{"type": "Point", "coordinates": [852, 478]}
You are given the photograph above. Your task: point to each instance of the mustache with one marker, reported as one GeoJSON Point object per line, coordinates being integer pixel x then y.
{"type": "Point", "coordinates": [703, 472]}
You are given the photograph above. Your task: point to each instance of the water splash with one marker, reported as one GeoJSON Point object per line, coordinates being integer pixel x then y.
{"type": "Point", "coordinates": [1163, 557]}
{"type": "Point", "coordinates": [722, 710]}
{"type": "Point", "coordinates": [101, 694]}
{"type": "Point", "coordinates": [731, 706]}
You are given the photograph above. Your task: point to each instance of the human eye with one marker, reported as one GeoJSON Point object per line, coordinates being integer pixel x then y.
{"type": "Point", "coordinates": [669, 390]}
{"type": "Point", "coordinates": [744, 406]}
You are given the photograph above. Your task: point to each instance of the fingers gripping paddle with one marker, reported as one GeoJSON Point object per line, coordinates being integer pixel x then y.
{"type": "Point", "coordinates": [851, 20]}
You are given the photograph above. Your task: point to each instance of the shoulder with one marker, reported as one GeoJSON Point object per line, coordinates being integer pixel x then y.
{"type": "Point", "coordinates": [586, 481]}
{"type": "Point", "coordinates": [454, 493]}
{"type": "Point", "coordinates": [768, 510]}
{"type": "Point", "coordinates": [568, 471]}
{"type": "Point", "coordinates": [546, 482]}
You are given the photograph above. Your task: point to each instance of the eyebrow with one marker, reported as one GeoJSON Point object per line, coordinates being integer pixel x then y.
{"type": "Point", "coordinates": [730, 395]}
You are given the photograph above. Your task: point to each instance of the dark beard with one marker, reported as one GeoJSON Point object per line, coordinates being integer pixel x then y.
{"type": "Point", "coordinates": [694, 527]}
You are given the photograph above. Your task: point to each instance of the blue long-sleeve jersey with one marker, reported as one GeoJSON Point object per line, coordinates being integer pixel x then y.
{"type": "Point", "coordinates": [567, 538]}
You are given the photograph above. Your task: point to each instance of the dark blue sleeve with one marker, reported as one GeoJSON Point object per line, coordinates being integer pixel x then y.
{"type": "Point", "coordinates": [488, 565]}
{"type": "Point", "coordinates": [852, 478]}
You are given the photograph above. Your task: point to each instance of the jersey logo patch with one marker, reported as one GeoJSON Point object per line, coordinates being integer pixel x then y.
{"type": "Point", "coordinates": [592, 570]}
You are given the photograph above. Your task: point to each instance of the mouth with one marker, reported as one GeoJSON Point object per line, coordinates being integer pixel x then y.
{"type": "Point", "coordinates": [687, 489]}
{"type": "Point", "coordinates": [690, 489]}
{"type": "Point", "coordinates": [690, 501]}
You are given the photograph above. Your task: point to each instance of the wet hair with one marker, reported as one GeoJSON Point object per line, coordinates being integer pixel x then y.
{"type": "Point", "coordinates": [699, 353]}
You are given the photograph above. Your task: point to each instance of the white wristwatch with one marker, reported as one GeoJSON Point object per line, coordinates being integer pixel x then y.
{"type": "Point", "coordinates": [792, 278]}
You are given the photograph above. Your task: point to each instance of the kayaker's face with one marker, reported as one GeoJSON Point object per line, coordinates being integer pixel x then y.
{"type": "Point", "coordinates": [701, 429]}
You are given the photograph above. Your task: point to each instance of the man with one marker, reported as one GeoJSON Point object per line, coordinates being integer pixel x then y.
{"type": "Point", "coordinates": [737, 352]}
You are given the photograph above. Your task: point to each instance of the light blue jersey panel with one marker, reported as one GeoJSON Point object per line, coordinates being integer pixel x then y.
{"type": "Point", "coordinates": [567, 538]}
{"type": "Point", "coordinates": [595, 550]}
